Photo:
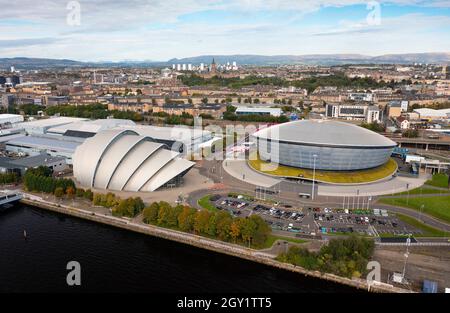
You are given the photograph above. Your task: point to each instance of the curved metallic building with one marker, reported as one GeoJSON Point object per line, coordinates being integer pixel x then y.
{"type": "Point", "coordinates": [323, 144]}
{"type": "Point", "coordinates": [124, 160]}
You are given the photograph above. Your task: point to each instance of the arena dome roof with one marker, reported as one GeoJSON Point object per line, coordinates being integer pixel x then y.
{"type": "Point", "coordinates": [324, 133]}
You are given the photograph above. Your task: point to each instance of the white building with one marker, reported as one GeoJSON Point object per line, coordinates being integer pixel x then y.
{"type": "Point", "coordinates": [373, 114]}
{"type": "Point", "coordinates": [361, 96]}
{"type": "Point", "coordinates": [404, 105]}
{"type": "Point", "coordinates": [124, 160]}
{"type": "Point", "coordinates": [10, 119]}
{"type": "Point", "coordinates": [41, 126]}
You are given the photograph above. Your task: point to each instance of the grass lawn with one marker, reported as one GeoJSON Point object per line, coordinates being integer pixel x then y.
{"type": "Point", "coordinates": [428, 231]}
{"type": "Point", "coordinates": [438, 207]}
{"type": "Point", "coordinates": [206, 203]}
{"type": "Point", "coordinates": [438, 180]}
{"type": "Point", "coordinates": [272, 238]}
{"type": "Point", "coordinates": [423, 191]}
{"type": "Point", "coordinates": [344, 177]}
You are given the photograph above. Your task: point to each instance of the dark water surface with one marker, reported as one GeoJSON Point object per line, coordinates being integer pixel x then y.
{"type": "Point", "coordinates": [115, 260]}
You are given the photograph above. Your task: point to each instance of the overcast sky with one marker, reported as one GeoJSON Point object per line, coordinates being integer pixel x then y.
{"type": "Point", "coordinates": [162, 29]}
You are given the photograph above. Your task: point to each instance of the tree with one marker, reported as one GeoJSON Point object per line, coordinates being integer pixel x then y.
{"type": "Point", "coordinates": [164, 213]}
{"type": "Point", "coordinates": [261, 232]}
{"type": "Point", "coordinates": [88, 194]}
{"type": "Point", "coordinates": [212, 228]}
{"type": "Point", "coordinates": [223, 225]}
{"type": "Point", "coordinates": [248, 229]}
{"type": "Point", "coordinates": [201, 221]}
{"type": "Point", "coordinates": [151, 213]}
{"type": "Point", "coordinates": [411, 133]}
{"type": "Point", "coordinates": [186, 219]}
{"type": "Point", "coordinates": [70, 191]}
{"type": "Point", "coordinates": [97, 199]}
{"type": "Point", "coordinates": [59, 192]}
{"type": "Point", "coordinates": [235, 229]}
{"type": "Point", "coordinates": [80, 192]}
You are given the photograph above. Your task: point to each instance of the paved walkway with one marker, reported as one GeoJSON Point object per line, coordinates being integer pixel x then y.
{"type": "Point", "coordinates": [394, 185]}
{"type": "Point", "coordinates": [239, 169]}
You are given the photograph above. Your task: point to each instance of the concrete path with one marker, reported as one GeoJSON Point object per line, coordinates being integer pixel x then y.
{"type": "Point", "coordinates": [239, 169]}
{"type": "Point", "coordinates": [394, 185]}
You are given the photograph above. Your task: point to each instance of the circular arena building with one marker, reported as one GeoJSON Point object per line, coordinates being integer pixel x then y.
{"type": "Point", "coordinates": [324, 145]}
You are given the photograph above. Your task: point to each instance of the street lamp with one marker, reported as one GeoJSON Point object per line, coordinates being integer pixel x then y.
{"type": "Point", "coordinates": [420, 212]}
{"type": "Point", "coordinates": [407, 198]}
{"type": "Point", "coordinates": [357, 199]}
{"type": "Point", "coordinates": [408, 243]}
{"type": "Point", "coordinates": [314, 175]}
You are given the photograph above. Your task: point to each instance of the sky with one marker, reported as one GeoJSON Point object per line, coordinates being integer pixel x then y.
{"type": "Point", "coordinates": [158, 30]}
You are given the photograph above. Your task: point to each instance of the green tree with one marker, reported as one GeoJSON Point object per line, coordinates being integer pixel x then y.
{"type": "Point", "coordinates": [248, 230]}
{"type": "Point", "coordinates": [223, 224]}
{"type": "Point", "coordinates": [88, 194]}
{"type": "Point", "coordinates": [80, 192]}
{"type": "Point", "coordinates": [150, 213]}
{"type": "Point", "coordinates": [59, 192]}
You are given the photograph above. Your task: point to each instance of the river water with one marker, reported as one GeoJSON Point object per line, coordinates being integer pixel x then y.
{"type": "Point", "coordinates": [115, 260]}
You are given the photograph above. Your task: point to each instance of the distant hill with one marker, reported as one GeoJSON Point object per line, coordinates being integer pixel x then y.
{"type": "Point", "coordinates": [40, 63]}
{"type": "Point", "coordinates": [37, 63]}
{"type": "Point", "coordinates": [319, 59]}
{"type": "Point", "coordinates": [242, 59]}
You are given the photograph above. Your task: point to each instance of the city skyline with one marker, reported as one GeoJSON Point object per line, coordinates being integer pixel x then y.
{"type": "Point", "coordinates": [161, 30]}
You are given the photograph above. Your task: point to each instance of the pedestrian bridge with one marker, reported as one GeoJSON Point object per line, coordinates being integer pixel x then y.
{"type": "Point", "coordinates": [7, 196]}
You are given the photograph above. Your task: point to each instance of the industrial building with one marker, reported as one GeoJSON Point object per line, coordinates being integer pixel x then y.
{"type": "Point", "coordinates": [41, 126]}
{"type": "Point", "coordinates": [61, 137]}
{"type": "Point", "coordinates": [34, 145]}
{"type": "Point", "coordinates": [19, 166]}
{"type": "Point", "coordinates": [432, 114]}
{"type": "Point", "coordinates": [323, 144]}
{"type": "Point", "coordinates": [123, 160]}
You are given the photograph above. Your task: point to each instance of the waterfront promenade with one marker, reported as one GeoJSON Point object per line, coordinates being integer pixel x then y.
{"type": "Point", "coordinates": [200, 242]}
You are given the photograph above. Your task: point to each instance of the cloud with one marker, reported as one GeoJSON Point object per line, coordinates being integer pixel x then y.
{"type": "Point", "coordinates": [14, 43]}
{"type": "Point", "coordinates": [162, 29]}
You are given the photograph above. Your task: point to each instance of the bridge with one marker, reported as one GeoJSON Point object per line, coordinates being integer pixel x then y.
{"type": "Point", "coordinates": [420, 143]}
{"type": "Point", "coordinates": [8, 196]}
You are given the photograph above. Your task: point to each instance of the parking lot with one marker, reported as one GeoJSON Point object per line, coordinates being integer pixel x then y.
{"type": "Point", "coordinates": [315, 221]}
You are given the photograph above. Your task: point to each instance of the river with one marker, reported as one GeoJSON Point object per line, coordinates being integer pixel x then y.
{"type": "Point", "coordinates": [116, 260]}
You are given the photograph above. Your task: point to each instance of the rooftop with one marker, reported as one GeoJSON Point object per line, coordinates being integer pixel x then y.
{"type": "Point", "coordinates": [45, 143]}
{"type": "Point", "coordinates": [325, 132]}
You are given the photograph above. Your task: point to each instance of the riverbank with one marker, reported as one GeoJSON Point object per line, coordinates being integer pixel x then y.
{"type": "Point", "coordinates": [201, 242]}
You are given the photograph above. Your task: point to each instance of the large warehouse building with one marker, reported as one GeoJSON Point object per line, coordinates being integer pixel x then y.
{"type": "Point", "coordinates": [323, 145]}
{"type": "Point", "coordinates": [124, 160]}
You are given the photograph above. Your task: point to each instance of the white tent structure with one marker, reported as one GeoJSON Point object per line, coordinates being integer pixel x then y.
{"type": "Point", "coordinates": [125, 161]}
